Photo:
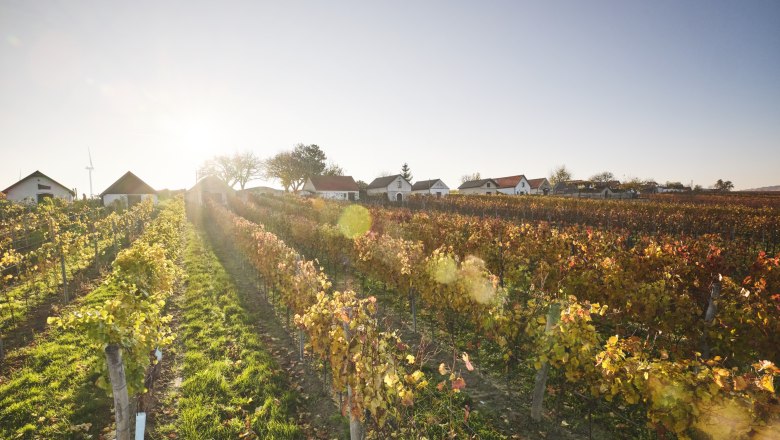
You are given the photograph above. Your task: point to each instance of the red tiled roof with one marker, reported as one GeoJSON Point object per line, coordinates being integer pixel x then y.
{"type": "Point", "coordinates": [509, 182]}
{"type": "Point", "coordinates": [334, 183]}
{"type": "Point", "coordinates": [536, 183]}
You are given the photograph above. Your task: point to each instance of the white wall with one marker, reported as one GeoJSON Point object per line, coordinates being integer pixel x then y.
{"type": "Point", "coordinates": [484, 189]}
{"type": "Point", "coordinates": [337, 195]}
{"type": "Point", "coordinates": [28, 191]}
{"type": "Point", "coordinates": [109, 199]}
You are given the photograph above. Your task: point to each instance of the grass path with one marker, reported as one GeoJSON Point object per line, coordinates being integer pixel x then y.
{"type": "Point", "coordinates": [224, 383]}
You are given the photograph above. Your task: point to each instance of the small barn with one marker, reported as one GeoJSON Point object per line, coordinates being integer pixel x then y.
{"type": "Point", "coordinates": [540, 186]}
{"type": "Point", "coordinates": [36, 187]}
{"type": "Point", "coordinates": [210, 188]}
{"type": "Point", "coordinates": [127, 191]}
{"type": "Point", "coordinates": [395, 187]}
{"type": "Point", "coordinates": [332, 187]}
{"type": "Point", "coordinates": [482, 186]}
{"type": "Point", "coordinates": [431, 187]}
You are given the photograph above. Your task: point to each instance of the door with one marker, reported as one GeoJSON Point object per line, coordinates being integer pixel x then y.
{"type": "Point", "coordinates": [351, 196]}
{"type": "Point", "coordinates": [399, 197]}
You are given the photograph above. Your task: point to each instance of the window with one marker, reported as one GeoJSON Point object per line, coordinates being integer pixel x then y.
{"type": "Point", "coordinates": [488, 185]}
{"type": "Point", "coordinates": [399, 184]}
{"type": "Point", "coordinates": [522, 184]}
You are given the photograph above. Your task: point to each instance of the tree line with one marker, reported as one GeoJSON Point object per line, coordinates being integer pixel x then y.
{"type": "Point", "coordinates": [291, 168]}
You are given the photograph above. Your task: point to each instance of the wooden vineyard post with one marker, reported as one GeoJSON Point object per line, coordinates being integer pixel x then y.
{"type": "Point", "coordinates": [95, 244]}
{"type": "Point", "coordinates": [64, 276]}
{"type": "Point", "coordinates": [414, 310]}
{"type": "Point", "coordinates": [116, 373]}
{"type": "Point", "coordinates": [712, 311]}
{"type": "Point", "coordinates": [541, 376]}
{"type": "Point", "coordinates": [300, 344]}
{"type": "Point", "coordinates": [355, 430]}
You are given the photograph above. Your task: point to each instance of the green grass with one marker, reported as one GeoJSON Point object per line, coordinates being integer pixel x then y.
{"type": "Point", "coordinates": [231, 386]}
{"type": "Point", "coordinates": [52, 395]}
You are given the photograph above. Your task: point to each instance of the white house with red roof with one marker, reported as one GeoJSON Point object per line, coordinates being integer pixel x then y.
{"type": "Point", "coordinates": [36, 187]}
{"type": "Point", "coordinates": [513, 185]}
{"type": "Point", "coordinates": [332, 187]}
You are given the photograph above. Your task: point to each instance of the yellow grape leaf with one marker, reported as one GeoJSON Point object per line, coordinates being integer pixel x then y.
{"type": "Point", "coordinates": [767, 383]}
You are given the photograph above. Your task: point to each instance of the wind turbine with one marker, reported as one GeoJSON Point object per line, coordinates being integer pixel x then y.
{"type": "Point", "coordinates": [90, 168]}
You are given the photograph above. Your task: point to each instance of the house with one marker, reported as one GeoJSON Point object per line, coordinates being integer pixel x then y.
{"type": "Point", "coordinates": [540, 186]}
{"type": "Point", "coordinates": [431, 187]}
{"type": "Point", "coordinates": [513, 185]}
{"type": "Point", "coordinates": [482, 186]}
{"type": "Point", "coordinates": [586, 189]}
{"type": "Point", "coordinates": [332, 187]}
{"type": "Point", "coordinates": [128, 191]}
{"type": "Point", "coordinates": [396, 187]}
{"type": "Point", "coordinates": [210, 188]}
{"type": "Point", "coordinates": [36, 187]}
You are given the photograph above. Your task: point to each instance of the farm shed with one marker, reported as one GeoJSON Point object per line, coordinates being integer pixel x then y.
{"type": "Point", "coordinates": [127, 191]}
{"type": "Point", "coordinates": [36, 187]}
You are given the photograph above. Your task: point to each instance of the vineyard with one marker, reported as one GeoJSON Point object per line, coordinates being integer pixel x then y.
{"type": "Point", "coordinates": [466, 317]}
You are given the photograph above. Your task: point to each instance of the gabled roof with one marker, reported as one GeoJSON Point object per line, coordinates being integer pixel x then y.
{"type": "Point", "coordinates": [476, 183]}
{"type": "Point", "coordinates": [334, 183]}
{"type": "Point", "coordinates": [212, 183]}
{"type": "Point", "coordinates": [39, 174]}
{"type": "Point", "coordinates": [536, 183]}
{"type": "Point", "coordinates": [510, 181]}
{"type": "Point", "coordinates": [129, 184]}
{"type": "Point", "coordinates": [382, 182]}
{"type": "Point", "coordinates": [426, 184]}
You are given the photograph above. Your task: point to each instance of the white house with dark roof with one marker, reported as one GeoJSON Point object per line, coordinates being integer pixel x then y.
{"type": "Point", "coordinates": [210, 188]}
{"type": "Point", "coordinates": [396, 187]}
{"type": "Point", "coordinates": [434, 187]}
{"type": "Point", "coordinates": [481, 186]}
{"type": "Point", "coordinates": [540, 186]}
{"type": "Point", "coordinates": [332, 187]}
{"type": "Point", "coordinates": [513, 185]}
{"type": "Point", "coordinates": [128, 191]}
{"type": "Point", "coordinates": [36, 187]}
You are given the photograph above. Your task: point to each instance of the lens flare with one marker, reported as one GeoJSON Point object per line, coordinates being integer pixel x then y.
{"type": "Point", "coordinates": [354, 221]}
{"type": "Point", "coordinates": [445, 270]}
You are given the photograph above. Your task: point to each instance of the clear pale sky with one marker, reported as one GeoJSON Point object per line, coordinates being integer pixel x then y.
{"type": "Point", "coordinates": [670, 90]}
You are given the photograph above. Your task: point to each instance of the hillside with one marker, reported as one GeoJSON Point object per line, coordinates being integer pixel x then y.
{"type": "Point", "coordinates": [765, 188]}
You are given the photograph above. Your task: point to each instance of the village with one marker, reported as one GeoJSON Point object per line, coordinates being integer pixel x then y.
{"type": "Point", "coordinates": [129, 189]}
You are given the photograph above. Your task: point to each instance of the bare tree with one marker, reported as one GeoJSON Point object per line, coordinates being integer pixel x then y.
{"type": "Point", "coordinates": [469, 177]}
{"type": "Point", "coordinates": [603, 177]}
{"type": "Point", "coordinates": [559, 174]}
{"type": "Point", "coordinates": [724, 186]}
{"type": "Point", "coordinates": [238, 168]}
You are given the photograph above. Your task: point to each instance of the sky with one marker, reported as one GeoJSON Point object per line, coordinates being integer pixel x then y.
{"type": "Point", "coordinates": [670, 90]}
